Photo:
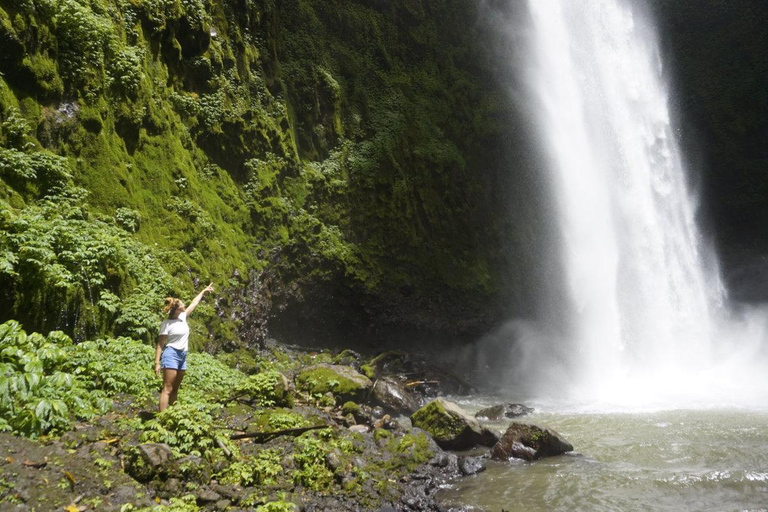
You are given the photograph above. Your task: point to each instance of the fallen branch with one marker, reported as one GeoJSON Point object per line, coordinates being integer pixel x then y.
{"type": "Point", "coordinates": [414, 383]}
{"type": "Point", "coordinates": [264, 436]}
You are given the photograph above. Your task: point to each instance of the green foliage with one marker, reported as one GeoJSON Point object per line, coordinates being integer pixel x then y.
{"type": "Point", "coordinates": [263, 469]}
{"type": "Point", "coordinates": [36, 397]}
{"type": "Point", "coordinates": [83, 38]}
{"type": "Point", "coordinates": [118, 365]}
{"type": "Point", "coordinates": [128, 219]}
{"type": "Point", "coordinates": [309, 456]}
{"type": "Point", "coordinates": [270, 420]}
{"type": "Point", "coordinates": [37, 171]}
{"type": "Point", "coordinates": [266, 389]}
{"type": "Point", "coordinates": [124, 72]}
{"type": "Point", "coordinates": [211, 376]}
{"type": "Point", "coordinates": [277, 506]}
{"type": "Point", "coordinates": [14, 131]}
{"type": "Point", "coordinates": [55, 256]}
{"type": "Point", "coordinates": [188, 428]}
{"type": "Point", "coordinates": [187, 503]}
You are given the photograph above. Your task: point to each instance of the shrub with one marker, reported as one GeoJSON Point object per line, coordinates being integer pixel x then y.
{"type": "Point", "coordinates": [116, 365]}
{"type": "Point", "coordinates": [129, 220]}
{"type": "Point", "coordinates": [263, 469]}
{"type": "Point", "coordinates": [188, 429]}
{"type": "Point", "coordinates": [124, 73]}
{"type": "Point", "coordinates": [57, 259]}
{"type": "Point", "coordinates": [36, 397]}
{"type": "Point", "coordinates": [266, 389]}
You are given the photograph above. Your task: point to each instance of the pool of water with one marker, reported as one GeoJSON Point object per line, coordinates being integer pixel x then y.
{"type": "Point", "coordinates": [672, 460]}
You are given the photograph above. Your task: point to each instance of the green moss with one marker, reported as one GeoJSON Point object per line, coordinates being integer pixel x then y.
{"type": "Point", "coordinates": [409, 451]}
{"type": "Point", "coordinates": [324, 379]}
{"type": "Point", "coordinates": [350, 408]}
{"type": "Point", "coordinates": [441, 424]}
{"type": "Point", "coordinates": [269, 420]}
{"type": "Point", "coordinates": [381, 433]}
{"type": "Point", "coordinates": [368, 371]}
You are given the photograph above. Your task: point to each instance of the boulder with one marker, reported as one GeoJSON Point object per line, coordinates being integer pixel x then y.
{"type": "Point", "coordinates": [429, 380]}
{"type": "Point", "coordinates": [471, 465]}
{"type": "Point", "coordinates": [498, 412]}
{"type": "Point", "coordinates": [343, 382]}
{"type": "Point", "coordinates": [149, 460]}
{"type": "Point", "coordinates": [393, 397]}
{"type": "Point", "coordinates": [529, 442]}
{"type": "Point", "coordinates": [451, 427]}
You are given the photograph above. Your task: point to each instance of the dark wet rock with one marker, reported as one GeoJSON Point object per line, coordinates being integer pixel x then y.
{"type": "Point", "coordinates": [167, 487]}
{"type": "Point", "coordinates": [349, 358]}
{"type": "Point", "coordinates": [343, 382]}
{"type": "Point", "coordinates": [451, 427]}
{"type": "Point", "coordinates": [363, 429]}
{"type": "Point", "coordinates": [403, 423]}
{"type": "Point", "coordinates": [229, 492]}
{"type": "Point", "coordinates": [333, 460]}
{"type": "Point", "coordinates": [193, 468]}
{"type": "Point", "coordinates": [123, 494]}
{"type": "Point", "coordinates": [426, 380]}
{"type": "Point", "coordinates": [149, 460]}
{"type": "Point", "coordinates": [206, 496]}
{"type": "Point", "coordinates": [501, 411]}
{"type": "Point", "coordinates": [391, 395]}
{"type": "Point", "coordinates": [471, 465]}
{"type": "Point", "coordinates": [377, 412]}
{"type": "Point", "coordinates": [529, 442]}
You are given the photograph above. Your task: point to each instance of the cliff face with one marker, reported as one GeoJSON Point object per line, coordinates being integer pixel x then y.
{"type": "Point", "coordinates": [717, 56]}
{"type": "Point", "coordinates": [351, 170]}
{"type": "Point", "coordinates": [338, 163]}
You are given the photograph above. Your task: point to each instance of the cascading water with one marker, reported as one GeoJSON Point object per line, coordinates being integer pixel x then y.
{"type": "Point", "coordinates": [641, 318]}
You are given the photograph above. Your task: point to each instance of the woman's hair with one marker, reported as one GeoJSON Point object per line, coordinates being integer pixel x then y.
{"type": "Point", "coordinates": [172, 305]}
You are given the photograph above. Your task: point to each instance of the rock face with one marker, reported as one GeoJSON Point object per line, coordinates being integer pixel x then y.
{"type": "Point", "coordinates": [529, 442]}
{"type": "Point", "coordinates": [148, 461]}
{"type": "Point", "coordinates": [343, 382]}
{"type": "Point", "coordinates": [451, 427]}
{"type": "Point", "coordinates": [501, 411]}
{"type": "Point", "coordinates": [393, 396]}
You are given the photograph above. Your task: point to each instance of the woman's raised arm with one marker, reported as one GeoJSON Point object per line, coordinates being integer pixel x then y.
{"type": "Point", "coordinates": [197, 299]}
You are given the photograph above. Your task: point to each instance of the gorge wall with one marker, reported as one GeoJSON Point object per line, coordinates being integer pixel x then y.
{"type": "Point", "coordinates": [338, 169]}
{"type": "Point", "coordinates": [342, 170]}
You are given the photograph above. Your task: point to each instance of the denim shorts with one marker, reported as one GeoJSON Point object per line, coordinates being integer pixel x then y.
{"type": "Point", "coordinates": [174, 359]}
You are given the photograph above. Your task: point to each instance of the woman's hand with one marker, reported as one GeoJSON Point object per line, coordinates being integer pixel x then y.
{"type": "Point", "coordinates": [208, 288]}
{"type": "Point", "coordinates": [157, 368]}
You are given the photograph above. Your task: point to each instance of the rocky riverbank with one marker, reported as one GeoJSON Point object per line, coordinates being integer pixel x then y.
{"type": "Point", "coordinates": [278, 430]}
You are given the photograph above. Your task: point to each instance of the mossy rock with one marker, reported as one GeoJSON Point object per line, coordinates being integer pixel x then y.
{"type": "Point", "coordinates": [266, 389]}
{"type": "Point", "coordinates": [343, 381]}
{"type": "Point", "coordinates": [529, 442]}
{"type": "Point", "coordinates": [451, 427]}
{"type": "Point", "coordinates": [271, 420]}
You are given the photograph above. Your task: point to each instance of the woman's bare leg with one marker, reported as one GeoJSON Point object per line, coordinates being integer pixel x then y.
{"type": "Point", "coordinates": [176, 385]}
{"type": "Point", "coordinates": [169, 377]}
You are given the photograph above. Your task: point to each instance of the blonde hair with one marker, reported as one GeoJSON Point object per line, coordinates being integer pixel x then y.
{"type": "Point", "coordinates": [172, 305]}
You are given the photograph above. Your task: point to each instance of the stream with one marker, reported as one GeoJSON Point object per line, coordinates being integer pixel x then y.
{"type": "Point", "coordinates": [666, 460]}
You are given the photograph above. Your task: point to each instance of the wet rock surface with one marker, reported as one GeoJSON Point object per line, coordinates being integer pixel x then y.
{"type": "Point", "coordinates": [342, 381]}
{"type": "Point", "coordinates": [529, 442]}
{"type": "Point", "coordinates": [451, 427]}
{"type": "Point", "coordinates": [501, 411]}
{"type": "Point", "coordinates": [366, 455]}
{"type": "Point", "coordinates": [392, 395]}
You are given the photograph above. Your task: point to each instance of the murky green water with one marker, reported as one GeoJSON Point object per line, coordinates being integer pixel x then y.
{"type": "Point", "coordinates": [681, 460]}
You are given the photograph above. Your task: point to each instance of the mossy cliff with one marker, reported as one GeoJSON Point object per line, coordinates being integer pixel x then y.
{"type": "Point", "coordinates": [324, 159]}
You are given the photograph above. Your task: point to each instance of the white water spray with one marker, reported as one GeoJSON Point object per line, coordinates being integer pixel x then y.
{"type": "Point", "coordinates": [646, 307]}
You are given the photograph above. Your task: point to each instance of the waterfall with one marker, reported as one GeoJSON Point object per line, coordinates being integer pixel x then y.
{"type": "Point", "coordinates": [643, 296]}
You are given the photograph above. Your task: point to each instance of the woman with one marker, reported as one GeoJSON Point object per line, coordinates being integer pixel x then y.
{"type": "Point", "coordinates": [173, 344]}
